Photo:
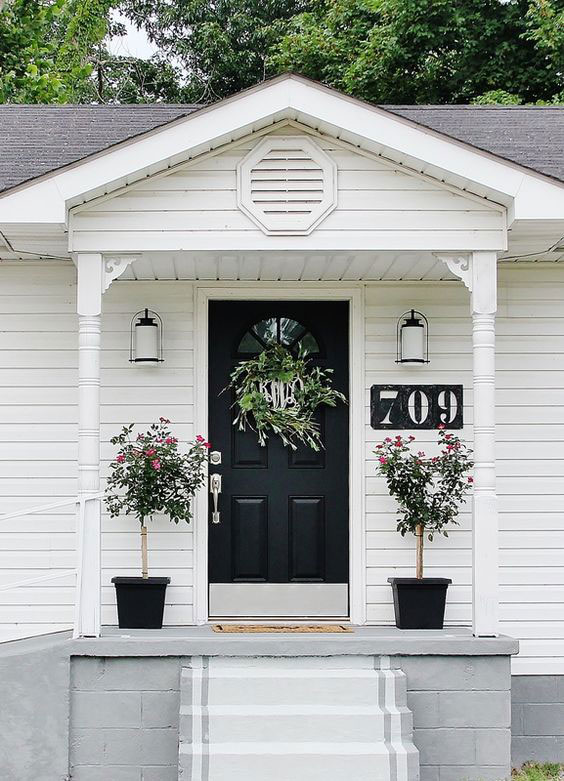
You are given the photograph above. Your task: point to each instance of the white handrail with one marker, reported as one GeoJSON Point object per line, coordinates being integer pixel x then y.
{"type": "Point", "coordinates": [30, 581]}
{"type": "Point", "coordinates": [79, 500]}
{"type": "Point", "coordinates": [53, 506]}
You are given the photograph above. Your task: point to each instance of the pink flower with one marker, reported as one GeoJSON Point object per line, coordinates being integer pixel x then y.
{"type": "Point", "coordinates": [448, 436]}
{"type": "Point", "coordinates": [140, 436]}
{"type": "Point", "coordinates": [200, 438]}
{"type": "Point", "coordinates": [470, 479]}
{"type": "Point", "coordinates": [411, 438]}
{"type": "Point", "coordinates": [171, 440]}
{"type": "Point", "coordinates": [150, 452]}
{"type": "Point", "coordinates": [434, 459]}
{"type": "Point", "coordinates": [383, 460]}
{"type": "Point", "coordinates": [164, 420]}
{"type": "Point", "coordinates": [450, 447]}
{"type": "Point", "coordinates": [398, 443]}
{"type": "Point", "coordinates": [379, 446]}
{"type": "Point", "coordinates": [387, 439]}
{"type": "Point", "coordinates": [441, 426]}
{"type": "Point", "coordinates": [421, 454]}
{"type": "Point", "coordinates": [120, 459]}
{"type": "Point", "coordinates": [207, 444]}
{"type": "Point", "coordinates": [156, 464]}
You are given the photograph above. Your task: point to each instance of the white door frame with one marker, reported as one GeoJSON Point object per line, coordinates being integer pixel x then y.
{"type": "Point", "coordinates": [318, 291]}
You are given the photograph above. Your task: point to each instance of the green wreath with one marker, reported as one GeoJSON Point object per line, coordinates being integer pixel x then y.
{"type": "Point", "coordinates": [276, 392]}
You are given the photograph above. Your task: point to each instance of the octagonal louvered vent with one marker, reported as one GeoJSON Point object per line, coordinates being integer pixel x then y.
{"type": "Point", "coordinates": [287, 185]}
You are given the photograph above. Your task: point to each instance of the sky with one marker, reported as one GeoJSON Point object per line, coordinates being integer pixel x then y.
{"type": "Point", "coordinates": [134, 44]}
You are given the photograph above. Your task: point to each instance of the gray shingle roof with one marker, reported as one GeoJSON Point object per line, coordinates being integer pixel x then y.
{"type": "Point", "coordinates": [35, 140]}
{"type": "Point", "coordinates": [532, 136]}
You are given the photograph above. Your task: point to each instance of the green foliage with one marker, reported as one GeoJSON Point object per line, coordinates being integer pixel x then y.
{"type": "Point", "coordinates": [428, 489]}
{"type": "Point", "coordinates": [48, 48]}
{"type": "Point", "coordinates": [498, 97]}
{"type": "Point", "coordinates": [385, 51]}
{"type": "Point", "coordinates": [151, 475]}
{"type": "Point", "coordinates": [278, 393]}
{"type": "Point", "coordinates": [28, 73]}
{"type": "Point", "coordinates": [428, 51]}
{"type": "Point", "coordinates": [221, 47]}
{"type": "Point", "coordinates": [539, 772]}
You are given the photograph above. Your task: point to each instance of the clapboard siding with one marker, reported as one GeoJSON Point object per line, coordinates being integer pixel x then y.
{"type": "Point", "coordinates": [38, 432]}
{"type": "Point", "coordinates": [196, 206]}
{"type": "Point", "coordinates": [38, 436]}
{"type": "Point", "coordinates": [530, 449]}
{"type": "Point", "coordinates": [140, 395]}
{"type": "Point", "coordinates": [38, 414]}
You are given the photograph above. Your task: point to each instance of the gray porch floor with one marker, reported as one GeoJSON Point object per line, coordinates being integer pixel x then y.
{"type": "Point", "coordinates": [374, 640]}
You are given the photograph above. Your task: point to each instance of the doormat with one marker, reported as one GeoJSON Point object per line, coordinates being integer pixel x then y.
{"type": "Point", "coordinates": [270, 628]}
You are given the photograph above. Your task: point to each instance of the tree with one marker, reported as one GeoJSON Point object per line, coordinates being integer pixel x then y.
{"type": "Point", "coordinates": [220, 47]}
{"type": "Point", "coordinates": [48, 48]}
{"type": "Point", "coordinates": [429, 51]}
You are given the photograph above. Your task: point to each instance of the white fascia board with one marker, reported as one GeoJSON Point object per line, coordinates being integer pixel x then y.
{"type": "Point", "coordinates": [432, 150]}
{"type": "Point", "coordinates": [145, 156]}
{"type": "Point", "coordinates": [293, 98]}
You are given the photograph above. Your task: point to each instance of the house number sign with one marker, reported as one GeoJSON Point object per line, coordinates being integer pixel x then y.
{"type": "Point", "coordinates": [416, 406]}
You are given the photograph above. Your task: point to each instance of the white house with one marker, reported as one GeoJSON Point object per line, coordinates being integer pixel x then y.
{"type": "Point", "coordinates": [288, 203]}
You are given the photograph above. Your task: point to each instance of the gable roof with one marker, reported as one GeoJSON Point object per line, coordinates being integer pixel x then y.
{"type": "Point", "coordinates": [38, 140]}
{"type": "Point", "coordinates": [532, 136]}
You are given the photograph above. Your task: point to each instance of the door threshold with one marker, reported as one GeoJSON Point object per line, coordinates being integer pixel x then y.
{"type": "Point", "coordinates": [279, 621]}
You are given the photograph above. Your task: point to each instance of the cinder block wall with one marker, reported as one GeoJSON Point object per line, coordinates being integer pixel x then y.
{"type": "Point", "coordinates": [124, 719]}
{"type": "Point", "coordinates": [461, 715]}
{"type": "Point", "coordinates": [537, 704]}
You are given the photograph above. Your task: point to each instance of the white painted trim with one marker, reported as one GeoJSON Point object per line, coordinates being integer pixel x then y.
{"type": "Point", "coordinates": [89, 538]}
{"type": "Point", "coordinates": [530, 195]}
{"type": "Point", "coordinates": [539, 665]}
{"type": "Point", "coordinates": [203, 294]}
{"type": "Point", "coordinates": [478, 272]}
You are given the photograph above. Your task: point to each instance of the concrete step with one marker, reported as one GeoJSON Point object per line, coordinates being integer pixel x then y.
{"type": "Point", "coordinates": [295, 720]}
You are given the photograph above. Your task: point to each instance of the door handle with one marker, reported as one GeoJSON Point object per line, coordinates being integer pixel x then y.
{"type": "Point", "coordinates": [215, 490]}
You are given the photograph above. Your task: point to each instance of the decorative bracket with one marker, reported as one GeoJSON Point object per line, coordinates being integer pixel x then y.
{"type": "Point", "coordinates": [478, 271]}
{"type": "Point", "coordinates": [114, 266]}
{"type": "Point", "coordinates": [460, 266]}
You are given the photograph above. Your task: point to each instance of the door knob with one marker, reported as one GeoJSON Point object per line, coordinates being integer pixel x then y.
{"type": "Point", "coordinates": [215, 490]}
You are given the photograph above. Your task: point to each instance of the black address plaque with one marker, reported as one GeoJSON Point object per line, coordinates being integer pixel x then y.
{"type": "Point", "coordinates": [416, 406]}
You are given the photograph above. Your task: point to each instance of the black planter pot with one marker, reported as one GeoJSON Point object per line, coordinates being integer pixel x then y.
{"type": "Point", "coordinates": [419, 604]}
{"type": "Point", "coordinates": [140, 602]}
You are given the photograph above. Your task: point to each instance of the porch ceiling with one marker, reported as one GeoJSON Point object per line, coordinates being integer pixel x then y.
{"type": "Point", "coordinates": [288, 266]}
{"type": "Point", "coordinates": [295, 267]}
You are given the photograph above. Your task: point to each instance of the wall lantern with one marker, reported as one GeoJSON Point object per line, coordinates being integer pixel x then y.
{"type": "Point", "coordinates": [412, 338]}
{"type": "Point", "coordinates": [146, 337]}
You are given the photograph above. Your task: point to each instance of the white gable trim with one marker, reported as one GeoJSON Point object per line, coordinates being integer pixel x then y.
{"type": "Point", "coordinates": [288, 97]}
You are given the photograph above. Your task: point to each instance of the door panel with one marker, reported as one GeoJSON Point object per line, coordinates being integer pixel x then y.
{"type": "Point", "coordinates": [307, 538]}
{"type": "Point", "coordinates": [284, 513]}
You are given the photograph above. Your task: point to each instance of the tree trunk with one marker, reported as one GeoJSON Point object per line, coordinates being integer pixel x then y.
{"type": "Point", "coordinates": [144, 558]}
{"type": "Point", "coordinates": [419, 532]}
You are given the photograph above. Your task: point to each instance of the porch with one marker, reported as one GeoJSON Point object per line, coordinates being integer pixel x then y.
{"type": "Point", "coordinates": [138, 704]}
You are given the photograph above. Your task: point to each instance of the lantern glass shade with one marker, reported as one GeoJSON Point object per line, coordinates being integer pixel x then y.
{"type": "Point", "coordinates": [145, 344]}
{"type": "Point", "coordinates": [412, 338]}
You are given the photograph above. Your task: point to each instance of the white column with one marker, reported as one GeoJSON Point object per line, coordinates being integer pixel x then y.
{"type": "Point", "coordinates": [485, 542]}
{"type": "Point", "coordinates": [89, 306]}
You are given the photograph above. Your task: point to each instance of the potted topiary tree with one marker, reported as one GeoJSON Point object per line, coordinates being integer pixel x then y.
{"type": "Point", "coordinates": [149, 475]}
{"type": "Point", "coordinates": [429, 491]}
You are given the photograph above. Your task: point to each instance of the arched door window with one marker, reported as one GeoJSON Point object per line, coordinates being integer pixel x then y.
{"type": "Point", "coordinates": [278, 330]}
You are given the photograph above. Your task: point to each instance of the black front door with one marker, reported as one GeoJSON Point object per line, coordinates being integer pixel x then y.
{"type": "Point", "coordinates": [281, 545]}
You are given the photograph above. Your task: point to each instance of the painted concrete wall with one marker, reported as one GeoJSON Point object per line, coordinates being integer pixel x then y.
{"type": "Point", "coordinates": [537, 726]}
{"type": "Point", "coordinates": [34, 710]}
{"type": "Point", "coordinates": [124, 717]}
